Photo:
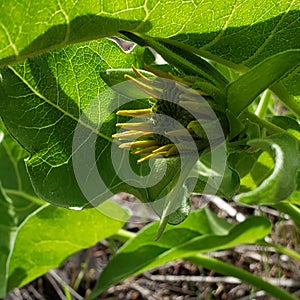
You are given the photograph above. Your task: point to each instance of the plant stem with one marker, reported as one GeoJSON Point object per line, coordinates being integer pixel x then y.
{"type": "Point", "coordinates": [227, 269]}
{"type": "Point", "coordinates": [292, 210]}
{"type": "Point", "coordinates": [263, 104]}
{"type": "Point", "coordinates": [24, 195]}
{"type": "Point", "coordinates": [286, 98]}
{"type": "Point", "coordinates": [124, 235]}
{"type": "Point", "coordinates": [281, 249]}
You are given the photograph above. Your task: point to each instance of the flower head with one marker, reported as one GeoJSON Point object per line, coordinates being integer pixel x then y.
{"type": "Point", "coordinates": [176, 115]}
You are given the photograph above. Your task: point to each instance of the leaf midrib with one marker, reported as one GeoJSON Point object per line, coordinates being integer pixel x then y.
{"type": "Point", "coordinates": [66, 113]}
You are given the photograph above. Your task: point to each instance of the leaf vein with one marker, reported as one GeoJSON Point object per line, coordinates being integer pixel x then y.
{"type": "Point", "coordinates": [270, 37]}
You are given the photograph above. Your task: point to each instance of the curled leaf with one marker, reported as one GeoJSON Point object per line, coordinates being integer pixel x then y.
{"type": "Point", "coordinates": [281, 183]}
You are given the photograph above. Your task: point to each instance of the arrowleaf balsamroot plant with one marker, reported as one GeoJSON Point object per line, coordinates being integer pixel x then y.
{"type": "Point", "coordinates": [205, 119]}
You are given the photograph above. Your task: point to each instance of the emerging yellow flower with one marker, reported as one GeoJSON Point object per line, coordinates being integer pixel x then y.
{"type": "Point", "coordinates": [168, 127]}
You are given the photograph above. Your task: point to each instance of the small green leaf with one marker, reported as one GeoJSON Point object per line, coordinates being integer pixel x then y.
{"type": "Point", "coordinates": [51, 234]}
{"type": "Point", "coordinates": [7, 236]}
{"type": "Point", "coordinates": [235, 125]}
{"type": "Point", "coordinates": [169, 197]}
{"type": "Point", "coordinates": [290, 124]}
{"type": "Point", "coordinates": [223, 181]}
{"type": "Point", "coordinates": [206, 70]}
{"type": "Point", "coordinates": [291, 209]}
{"type": "Point", "coordinates": [295, 197]}
{"type": "Point", "coordinates": [282, 182]}
{"type": "Point", "coordinates": [243, 162]}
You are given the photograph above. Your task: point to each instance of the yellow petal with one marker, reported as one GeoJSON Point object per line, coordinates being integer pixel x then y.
{"type": "Point", "coordinates": [134, 112]}
{"type": "Point", "coordinates": [139, 74]}
{"type": "Point", "coordinates": [147, 157]}
{"type": "Point", "coordinates": [141, 126]}
{"type": "Point", "coordinates": [163, 148]}
{"type": "Point", "coordinates": [178, 132]}
{"type": "Point", "coordinates": [144, 87]}
{"type": "Point", "coordinates": [131, 134]}
{"type": "Point", "coordinates": [138, 144]}
{"type": "Point", "coordinates": [172, 151]}
{"type": "Point", "coordinates": [144, 151]}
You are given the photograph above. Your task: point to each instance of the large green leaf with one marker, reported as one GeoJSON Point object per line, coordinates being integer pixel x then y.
{"type": "Point", "coordinates": [29, 226]}
{"type": "Point", "coordinates": [242, 32]}
{"type": "Point", "coordinates": [201, 232]}
{"type": "Point", "coordinates": [61, 23]}
{"type": "Point", "coordinates": [43, 111]}
{"type": "Point", "coordinates": [55, 113]}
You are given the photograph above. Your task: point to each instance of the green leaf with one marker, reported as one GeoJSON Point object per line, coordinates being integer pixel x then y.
{"type": "Point", "coordinates": [281, 183]}
{"type": "Point", "coordinates": [17, 200]}
{"type": "Point", "coordinates": [235, 125]}
{"type": "Point", "coordinates": [290, 124]}
{"type": "Point", "coordinates": [187, 62]}
{"type": "Point", "coordinates": [218, 30]}
{"type": "Point", "coordinates": [243, 162]}
{"type": "Point", "coordinates": [13, 174]}
{"type": "Point", "coordinates": [243, 91]}
{"type": "Point", "coordinates": [222, 180]}
{"type": "Point", "coordinates": [61, 24]}
{"type": "Point", "coordinates": [292, 205]}
{"type": "Point", "coordinates": [271, 26]}
{"type": "Point", "coordinates": [207, 233]}
{"type": "Point", "coordinates": [291, 209]}
{"type": "Point", "coordinates": [169, 198]}
{"type": "Point", "coordinates": [295, 197]}
{"type": "Point", "coordinates": [51, 234]}
{"type": "Point", "coordinates": [7, 237]}
{"type": "Point", "coordinates": [175, 54]}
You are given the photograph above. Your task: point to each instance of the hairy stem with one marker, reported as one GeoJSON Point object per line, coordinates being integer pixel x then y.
{"type": "Point", "coordinates": [263, 104]}
{"type": "Point", "coordinates": [271, 128]}
{"type": "Point", "coordinates": [286, 98]}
